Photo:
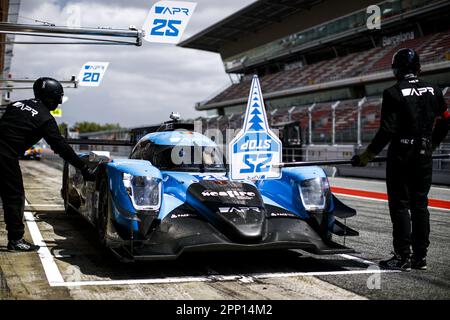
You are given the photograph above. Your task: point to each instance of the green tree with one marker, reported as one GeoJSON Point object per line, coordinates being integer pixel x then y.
{"type": "Point", "coordinates": [62, 127]}
{"type": "Point", "coordinates": [85, 126]}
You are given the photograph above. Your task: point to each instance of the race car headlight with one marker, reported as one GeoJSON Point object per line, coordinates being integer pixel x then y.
{"type": "Point", "coordinates": [313, 193]}
{"type": "Point", "coordinates": [144, 192]}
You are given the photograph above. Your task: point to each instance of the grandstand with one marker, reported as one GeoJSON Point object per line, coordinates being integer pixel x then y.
{"type": "Point", "coordinates": [353, 65]}
{"type": "Point", "coordinates": [319, 64]}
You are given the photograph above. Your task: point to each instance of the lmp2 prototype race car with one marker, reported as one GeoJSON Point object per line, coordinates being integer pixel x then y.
{"type": "Point", "coordinates": [176, 193]}
{"type": "Point", "coordinates": [149, 208]}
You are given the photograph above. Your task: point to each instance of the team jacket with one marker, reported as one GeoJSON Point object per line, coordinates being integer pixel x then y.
{"type": "Point", "coordinates": [408, 113]}
{"type": "Point", "coordinates": [25, 123]}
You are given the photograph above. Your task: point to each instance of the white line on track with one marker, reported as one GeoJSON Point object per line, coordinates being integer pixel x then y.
{"type": "Point", "coordinates": [50, 268]}
{"type": "Point", "coordinates": [379, 183]}
{"type": "Point", "coordinates": [55, 278]}
{"type": "Point", "coordinates": [379, 200]}
{"type": "Point", "coordinates": [43, 207]}
{"type": "Point", "coordinates": [215, 278]}
{"type": "Point", "coordinates": [358, 197]}
{"type": "Point", "coordinates": [350, 257]}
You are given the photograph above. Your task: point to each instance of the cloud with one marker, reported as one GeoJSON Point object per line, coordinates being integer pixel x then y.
{"type": "Point", "coordinates": [143, 84]}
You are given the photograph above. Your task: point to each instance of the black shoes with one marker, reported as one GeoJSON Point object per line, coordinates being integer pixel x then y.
{"type": "Point", "coordinates": [21, 246]}
{"type": "Point", "coordinates": [419, 263]}
{"type": "Point", "coordinates": [397, 262]}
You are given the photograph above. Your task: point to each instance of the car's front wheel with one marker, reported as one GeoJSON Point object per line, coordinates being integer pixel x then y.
{"type": "Point", "coordinates": [69, 206]}
{"type": "Point", "coordinates": [104, 209]}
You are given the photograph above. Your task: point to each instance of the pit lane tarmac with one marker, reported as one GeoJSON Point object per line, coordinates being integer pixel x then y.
{"type": "Point", "coordinates": [72, 265]}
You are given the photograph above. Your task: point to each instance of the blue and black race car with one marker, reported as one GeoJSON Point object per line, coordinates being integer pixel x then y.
{"type": "Point", "coordinates": [152, 206]}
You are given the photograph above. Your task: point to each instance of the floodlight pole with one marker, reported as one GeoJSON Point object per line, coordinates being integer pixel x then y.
{"type": "Point", "coordinates": [310, 109]}
{"type": "Point", "coordinates": [272, 114]}
{"type": "Point", "coordinates": [360, 105]}
{"type": "Point", "coordinates": [290, 112]}
{"type": "Point", "coordinates": [229, 119]}
{"type": "Point", "coordinates": [333, 119]}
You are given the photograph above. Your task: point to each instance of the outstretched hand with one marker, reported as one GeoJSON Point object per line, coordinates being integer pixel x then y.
{"type": "Point", "coordinates": [88, 174]}
{"type": "Point", "coordinates": [361, 160]}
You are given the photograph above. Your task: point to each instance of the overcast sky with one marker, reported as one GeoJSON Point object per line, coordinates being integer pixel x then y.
{"type": "Point", "coordinates": [142, 84]}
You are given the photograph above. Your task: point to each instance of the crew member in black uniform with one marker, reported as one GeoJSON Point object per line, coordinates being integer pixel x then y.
{"type": "Point", "coordinates": [414, 120]}
{"type": "Point", "coordinates": [23, 124]}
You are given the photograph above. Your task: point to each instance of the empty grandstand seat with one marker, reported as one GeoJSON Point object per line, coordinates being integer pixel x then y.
{"type": "Point", "coordinates": [321, 118]}
{"type": "Point", "coordinates": [370, 116]}
{"type": "Point", "coordinates": [346, 115]}
{"type": "Point", "coordinates": [432, 48]}
{"type": "Point", "coordinates": [436, 48]}
{"type": "Point", "coordinates": [384, 63]}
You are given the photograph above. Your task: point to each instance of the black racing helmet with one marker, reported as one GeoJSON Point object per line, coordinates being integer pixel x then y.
{"type": "Point", "coordinates": [49, 91]}
{"type": "Point", "coordinates": [405, 61]}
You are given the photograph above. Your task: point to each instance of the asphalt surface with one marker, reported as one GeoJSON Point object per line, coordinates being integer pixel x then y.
{"type": "Point", "coordinates": [87, 272]}
{"type": "Point", "coordinates": [375, 244]}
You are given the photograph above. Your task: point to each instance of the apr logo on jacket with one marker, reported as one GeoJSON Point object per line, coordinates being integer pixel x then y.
{"type": "Point", "coordinates": [417, 91]}
{"type": "Point", "coordinates": [24, 107]}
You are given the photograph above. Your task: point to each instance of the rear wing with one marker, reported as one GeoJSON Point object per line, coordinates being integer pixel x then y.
{"type": "Point", "coordinates": [97, 142]}
{"type": "Point", "coordinates": [135, 134]}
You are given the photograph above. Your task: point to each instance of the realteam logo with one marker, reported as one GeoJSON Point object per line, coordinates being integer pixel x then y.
{"type": "Point", "coordinates": [171, 11]}
{"type": "Point", "coordinates": [417, 91]}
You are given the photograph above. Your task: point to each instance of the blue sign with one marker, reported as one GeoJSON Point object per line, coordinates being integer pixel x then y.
{"type": "Point", "coordinates": [91, 73]}
{"type": "Point", "coordinates": [255, 151]}
{"type": "Point", "coordinates": [167, 21]}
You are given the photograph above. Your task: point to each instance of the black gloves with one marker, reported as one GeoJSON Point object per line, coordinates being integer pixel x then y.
{"type": "Point", "coordinates": [361, 160]}
{"type": "Point", "coordinates": [441, 128]}
{"type": "Point", "coordinates": [88, 174]}
{"type": "Point", "coordinates": [434, 147]}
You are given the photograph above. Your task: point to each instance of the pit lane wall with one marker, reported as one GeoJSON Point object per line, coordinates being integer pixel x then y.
{"type": "Point", "coordinates": [441, 168]}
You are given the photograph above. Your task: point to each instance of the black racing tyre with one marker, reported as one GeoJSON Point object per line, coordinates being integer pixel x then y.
{"type": "Point", "coordinates": [104, 209]}
{"type": "Point", "coordinates": [68, 206]}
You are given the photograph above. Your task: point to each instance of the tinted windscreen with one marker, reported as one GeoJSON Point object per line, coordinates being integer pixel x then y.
{"type": "Point", "coordinates": [185, 158]}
